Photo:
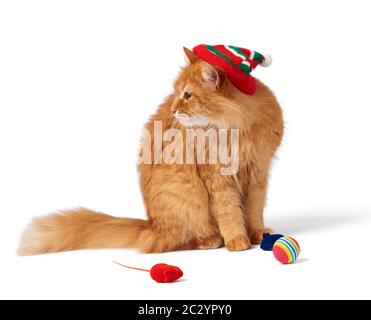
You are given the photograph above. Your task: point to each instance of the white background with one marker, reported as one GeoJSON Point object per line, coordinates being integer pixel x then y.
{"type": "Point", "coordinates": [78, 79]}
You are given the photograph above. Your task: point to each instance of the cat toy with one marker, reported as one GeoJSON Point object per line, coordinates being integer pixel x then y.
{"type": "Point", "coordinates": [285, 249]}
{"type": "Point", "coordinates": [161, 272]}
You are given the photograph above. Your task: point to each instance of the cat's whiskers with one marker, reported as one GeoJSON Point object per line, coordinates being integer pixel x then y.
{"type": "Point", "coordinates": [189, 125]}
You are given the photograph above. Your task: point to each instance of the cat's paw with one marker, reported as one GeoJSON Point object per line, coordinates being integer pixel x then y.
{"type": "Point", "coordinates": [239, 243]}
{"type": "Point", "coordinates": [210, 243]}
{"type": "Point", "coordinates": [256, 235]}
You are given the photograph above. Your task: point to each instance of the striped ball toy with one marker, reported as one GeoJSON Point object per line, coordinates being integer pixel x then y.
{"type": "Point", "coordinates": [286, 250]}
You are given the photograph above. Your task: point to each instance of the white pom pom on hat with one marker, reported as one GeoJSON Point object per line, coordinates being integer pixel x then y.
{"type": "Point", "coordinates": [267, 61]}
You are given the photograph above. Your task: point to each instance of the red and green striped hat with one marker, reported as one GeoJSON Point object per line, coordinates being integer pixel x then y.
{"type": "Point", "coordinates": [237, 63]}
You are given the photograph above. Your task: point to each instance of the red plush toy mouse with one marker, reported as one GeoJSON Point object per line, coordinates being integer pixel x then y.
{"type": "Point", "coordinates": [161, 272]}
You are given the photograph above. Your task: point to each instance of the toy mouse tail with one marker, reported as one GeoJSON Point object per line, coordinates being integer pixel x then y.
{"type": "Point", "coordinates": [86, 229]}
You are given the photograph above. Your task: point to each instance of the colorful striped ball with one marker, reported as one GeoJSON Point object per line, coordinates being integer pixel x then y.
{"type": "Point", "coordinates": [286, 250]}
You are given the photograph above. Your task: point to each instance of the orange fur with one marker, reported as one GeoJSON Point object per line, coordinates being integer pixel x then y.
{"type": "Point", "coordinates": [189, 206]}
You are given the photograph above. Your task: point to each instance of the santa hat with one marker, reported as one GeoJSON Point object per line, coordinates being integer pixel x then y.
{"type": "Point", "coordinates": [237, 63]}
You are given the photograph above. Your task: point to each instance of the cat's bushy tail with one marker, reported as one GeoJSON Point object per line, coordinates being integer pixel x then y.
{"type": "Point", "coordinates": [86, 229]}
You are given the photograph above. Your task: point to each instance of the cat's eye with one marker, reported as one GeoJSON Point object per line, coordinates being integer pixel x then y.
{"type": "Point", "coordinates": [187, 95]}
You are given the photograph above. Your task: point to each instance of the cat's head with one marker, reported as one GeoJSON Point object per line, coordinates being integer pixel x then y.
{"type": "Point", "coordinates": [203, 95]}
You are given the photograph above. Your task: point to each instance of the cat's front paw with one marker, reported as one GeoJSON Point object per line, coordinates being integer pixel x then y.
{"type": "Point", "coordinates": [210, 243]}
{"type": "Point", "coordinates": [239, 243]}
{"type": "Point", "coordinates": [256, 235]}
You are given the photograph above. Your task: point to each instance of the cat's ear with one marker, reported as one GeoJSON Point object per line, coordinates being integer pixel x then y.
{"type": "Point", "coordinates": [211, 76]}
{"type": "Point", "coordinates": [189, 56]}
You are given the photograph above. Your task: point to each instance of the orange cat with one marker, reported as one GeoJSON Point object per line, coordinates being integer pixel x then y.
{"type": "Point", "coordinates": [191, 205]}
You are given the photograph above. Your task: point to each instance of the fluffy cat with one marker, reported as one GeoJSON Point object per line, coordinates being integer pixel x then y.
{"type": "Point", "coordinates": [189, 206]}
